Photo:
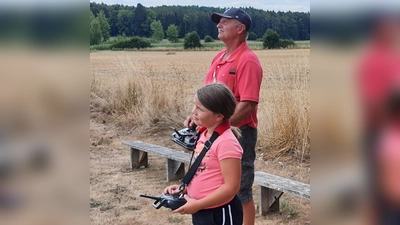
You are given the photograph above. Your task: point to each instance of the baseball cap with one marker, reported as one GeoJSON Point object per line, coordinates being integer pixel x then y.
{"type": "Point", "coordinates": [233, 13]}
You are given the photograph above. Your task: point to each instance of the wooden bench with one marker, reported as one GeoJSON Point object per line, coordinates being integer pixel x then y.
{"type": "Point", "coordinates": [272, 187]}
{"type": "Point", "coordinates": [175, 160]}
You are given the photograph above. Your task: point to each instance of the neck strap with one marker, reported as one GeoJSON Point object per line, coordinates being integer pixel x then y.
{"type": "Point", "coordinates": [218, 130]}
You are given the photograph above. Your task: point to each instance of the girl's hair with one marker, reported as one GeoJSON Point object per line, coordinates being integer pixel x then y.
{"type": "Point", "coordinates": [218, 98]}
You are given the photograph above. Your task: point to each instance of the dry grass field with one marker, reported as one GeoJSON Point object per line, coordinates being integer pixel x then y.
{"type": "Point", "coordinates": [139, 94]}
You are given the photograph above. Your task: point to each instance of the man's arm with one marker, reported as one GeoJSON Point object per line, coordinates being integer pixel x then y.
{"type": "Point", "coordinates": [243, 109]}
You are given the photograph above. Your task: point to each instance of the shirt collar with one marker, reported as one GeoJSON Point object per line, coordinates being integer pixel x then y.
{"type": "Point", "coordinates": [235, 53]}
{"type": "Point", "coordinates": [221, 128]}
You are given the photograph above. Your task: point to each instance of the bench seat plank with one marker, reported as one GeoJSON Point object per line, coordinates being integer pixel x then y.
{"type": "Point", "coordinates": [159, 150]}
{"type": "Point", "coordinates": [175, 160]}
{"type": "Point", "coordinates": [282, 184]}
{"type": "Point", "coordinates": [272, 187]}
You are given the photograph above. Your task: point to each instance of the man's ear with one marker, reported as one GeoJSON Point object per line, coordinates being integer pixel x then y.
{"type": "Point", "coordinates": [241, 29]}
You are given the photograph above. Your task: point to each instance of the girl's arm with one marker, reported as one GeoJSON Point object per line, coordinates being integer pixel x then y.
{"type": "Point", "coordinates": [231, 173]}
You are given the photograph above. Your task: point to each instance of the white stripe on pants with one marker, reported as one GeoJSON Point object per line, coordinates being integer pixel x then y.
{"type": "Point", "coordinates": [230, 215]}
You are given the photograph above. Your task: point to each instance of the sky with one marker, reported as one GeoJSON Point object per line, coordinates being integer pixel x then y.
{"type": "Point", "coordinates": [276, 5]}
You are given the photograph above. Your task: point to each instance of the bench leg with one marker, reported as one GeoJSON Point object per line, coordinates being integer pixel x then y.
{"type": "Point", "coordinates": [138, 159]}
{"type": "Point", "coordinates": [175, 170]}
{"type": "Point", "coordinates": [268, 200]}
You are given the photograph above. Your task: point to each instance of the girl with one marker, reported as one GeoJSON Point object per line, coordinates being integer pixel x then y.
{"type": "Point", "coordinates": [387, 164]}
{"type": "Point", "coordinates": [211, 195]}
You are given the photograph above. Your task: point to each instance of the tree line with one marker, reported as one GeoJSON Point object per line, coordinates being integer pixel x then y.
{"type": "Point", "coordinates": [137, 21]}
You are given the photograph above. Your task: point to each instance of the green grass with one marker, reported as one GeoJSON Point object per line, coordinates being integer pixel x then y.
{"type": "Point", "coordinates": [166, 45]}
{"type": "Point", "coordinates": [287, 209]}
{"type": "Point", "coordinates": [95, 204]}
{"type": "Point", "coordinates": [305, 44]}
{"type": "Point", "coordinates": [106, 208]}
{"type": "Point", "coordinates": [100, 47]}
{"type": "Point", "coordinates": [132, 208]}
{"type": "Point", "coordinates": [175, 220]}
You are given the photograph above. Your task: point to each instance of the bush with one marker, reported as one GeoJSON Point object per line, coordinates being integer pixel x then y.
{"type": "Point", "coordinates": [208, 38]}
{"type": "Point", "coordinates": [271, 39]}
{"type": "Point", "coordinates": [100, 47]}
{"type": "Point", "coordinates": [133, 42]}
{"type": "Point", "coordinates": [284, 43]}
{"type": "Point", "coordinates": [191, 40]}
{"type": "Point", "coordinates": [118, 38]}
{"type": "Point", "coordinates": [252, 36]}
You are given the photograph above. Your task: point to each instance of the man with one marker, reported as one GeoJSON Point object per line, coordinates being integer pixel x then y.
{"type": "Point", "coordinates": [379, 86]}
{"type": "Point", "coordinates": [240, 69]}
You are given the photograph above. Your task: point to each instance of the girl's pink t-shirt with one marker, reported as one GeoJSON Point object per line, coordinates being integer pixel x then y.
{"type": "Point", "coordinates": [389, 163]}
{"type": "Point", "coordinates": [208, 176]}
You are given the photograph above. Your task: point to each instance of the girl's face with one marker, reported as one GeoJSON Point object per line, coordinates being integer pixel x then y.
{"type": "Point", "coordinates": [204, 117]}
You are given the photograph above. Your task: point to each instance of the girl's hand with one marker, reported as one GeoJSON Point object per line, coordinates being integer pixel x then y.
{"type": "Point", "coordinates": [173, 189]}
{"type": "Point", "coordinates": [190, 207]}
{"type": "Point", "coordinates": [189, 122]}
